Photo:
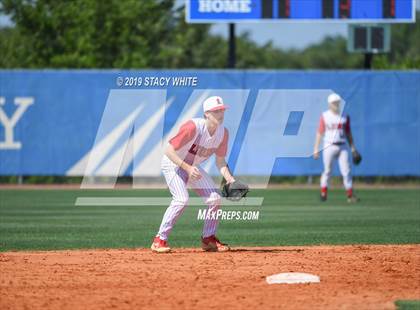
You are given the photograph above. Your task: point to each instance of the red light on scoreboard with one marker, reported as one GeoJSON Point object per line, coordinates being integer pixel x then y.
{"type": "Point", "coordinates": [344, 8]}
{"type": "Point", "coordinates": [284, 8]}
{"type": "Point", "coordinates": [388, 8]}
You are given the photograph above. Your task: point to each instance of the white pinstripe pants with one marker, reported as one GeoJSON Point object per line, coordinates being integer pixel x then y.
{"type": "Point", "coordinates": [331, 153]}
{"type": "Point", "coordinates": [177, 180]}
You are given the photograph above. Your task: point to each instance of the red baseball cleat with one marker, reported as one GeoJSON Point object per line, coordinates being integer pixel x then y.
{"type": "Point", "coordinates": [212, 244]}
{"type": "Point", "coordinates": [324, 192]}
{"type": "Point", "coordinates": [160, 246]}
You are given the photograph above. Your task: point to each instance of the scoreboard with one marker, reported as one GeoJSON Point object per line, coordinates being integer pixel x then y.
{"type": "Point", "coordinates": [357, 11]}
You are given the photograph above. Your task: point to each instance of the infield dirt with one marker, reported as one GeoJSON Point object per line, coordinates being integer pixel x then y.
{"type": "Point", "coordinates": [352, 277]}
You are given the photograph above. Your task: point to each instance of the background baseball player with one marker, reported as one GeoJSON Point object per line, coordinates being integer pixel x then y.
{"type": "Point", "coordinates": [335, 129]}
{"type": "Point", "coordinates": [195, 142]}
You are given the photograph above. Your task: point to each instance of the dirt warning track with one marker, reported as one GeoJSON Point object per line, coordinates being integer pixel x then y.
{"type": "Point", "coordinates": [352, 277]}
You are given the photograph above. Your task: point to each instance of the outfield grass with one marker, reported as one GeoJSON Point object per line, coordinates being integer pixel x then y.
{"type": "Point", "coordinates": [408, 304]}
{"type": "Point", "coordinates": [48, 219]}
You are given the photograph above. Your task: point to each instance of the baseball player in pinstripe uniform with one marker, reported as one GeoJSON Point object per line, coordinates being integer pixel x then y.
{"type": "Point", "coordinates": [335, 128]}
{"type": "Point", "coordinates": [195, 142]}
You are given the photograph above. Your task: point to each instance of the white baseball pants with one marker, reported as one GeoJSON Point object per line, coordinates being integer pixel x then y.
{"type": "Point", "coordinates": [177, 180]}
{"type": "Point", "coordinates": [331, 153]}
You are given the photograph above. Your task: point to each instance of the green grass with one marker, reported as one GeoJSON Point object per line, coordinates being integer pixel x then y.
{"type": "Point", "coordinates": [408, 304]}
{"type": "Point", "coordinates": [48, 219]}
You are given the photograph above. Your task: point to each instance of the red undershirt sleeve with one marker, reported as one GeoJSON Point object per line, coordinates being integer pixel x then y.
{"type": "Point", "coordinates": [185, 134]}
{"type": "Point", "coordinates": [321, 128]}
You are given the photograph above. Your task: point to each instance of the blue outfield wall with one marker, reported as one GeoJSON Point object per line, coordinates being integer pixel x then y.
{"type": "Point", "coordinates": [51, 119]}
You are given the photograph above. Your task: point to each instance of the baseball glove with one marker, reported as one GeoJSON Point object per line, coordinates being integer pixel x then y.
{"type": "Point", "coordinates": [357, 158]}
{"type": "Point", "coordinates": [235, 191]}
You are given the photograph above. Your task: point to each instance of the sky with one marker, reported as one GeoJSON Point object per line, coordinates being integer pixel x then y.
{"type": "Point", "coordinates": [283, 35]}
